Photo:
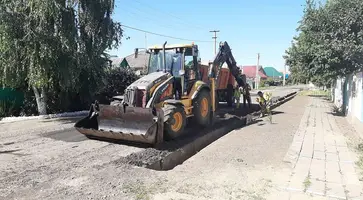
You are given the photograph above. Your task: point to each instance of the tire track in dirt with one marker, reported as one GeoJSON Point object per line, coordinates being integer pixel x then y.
{"type": "Point", "coordinates": [46, 159]}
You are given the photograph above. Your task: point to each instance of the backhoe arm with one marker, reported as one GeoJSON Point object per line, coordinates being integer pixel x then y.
{"type": "Point", "coordinates": [225, 55]}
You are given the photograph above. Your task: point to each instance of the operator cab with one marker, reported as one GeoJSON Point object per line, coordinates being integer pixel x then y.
{"type": "Point", "coordinates": [181, 62]}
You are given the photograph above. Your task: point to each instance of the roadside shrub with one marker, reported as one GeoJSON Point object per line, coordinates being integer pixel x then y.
{"type": "Point", "coordinates": [58, 102]}
{"type": "Point", "coordinates": [263, 83]}
{"type": "Point", "coordinates": [29, 106]}
{"type": "Point", "coordinates": [8, 108]}
{"type": "Point", "coordinates": [115, 83]}
{"type": "Point", "coordinates": [10, 102]}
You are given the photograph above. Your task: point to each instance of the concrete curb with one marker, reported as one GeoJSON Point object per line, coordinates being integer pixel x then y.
{"type": "Point", "coordinates": [294, 150]}
{"type": "Point", "coordinates": [179, 156]}
{"type": "Point", "coordinates": [49, 116]}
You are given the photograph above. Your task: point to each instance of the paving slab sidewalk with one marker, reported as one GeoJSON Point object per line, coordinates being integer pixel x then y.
{"type": "Point", "coordinates": [323, 165]}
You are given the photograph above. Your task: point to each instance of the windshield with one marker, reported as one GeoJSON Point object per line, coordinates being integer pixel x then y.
{"type": "Point", "coordinates": [173, 62]}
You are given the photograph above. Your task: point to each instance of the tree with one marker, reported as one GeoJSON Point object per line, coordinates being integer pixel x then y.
{"type": "Point", "coordinates": [98, 32]}
{"type": "Point", "coordinates": [56, 44]}
{"type": "Point", "coordinates": [329, 43]}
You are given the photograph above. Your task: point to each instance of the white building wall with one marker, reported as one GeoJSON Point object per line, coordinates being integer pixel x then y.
{"type": "Point", "coordinates": [356, 97]}
{"type": "Point", "coordinates": [338, 93]}
{"type": "Point", "coordinates": [354, 90]}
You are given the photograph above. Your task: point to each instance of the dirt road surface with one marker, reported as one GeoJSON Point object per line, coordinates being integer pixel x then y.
{"type": "Point", "coordinates": [49, 160]}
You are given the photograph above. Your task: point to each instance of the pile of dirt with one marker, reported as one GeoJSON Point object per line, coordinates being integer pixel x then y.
{"type": "Point", "coordinates": [143, 158]}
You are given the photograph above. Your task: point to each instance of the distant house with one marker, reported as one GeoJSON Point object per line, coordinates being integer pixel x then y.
{"type": "Point", "coordinates": [250, 72]}
{"type": "Point", "coordinates": [138, 64]}
{"type": "Point", "coordinates": [271, 72]}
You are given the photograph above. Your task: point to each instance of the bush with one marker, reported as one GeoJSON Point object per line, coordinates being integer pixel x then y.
{"type": "Point", "coordinates": [8, 108]}
{"type": "Point", "coordinates": [29, 106]}
{"type": "Point", "coordinates": [10, 102]}
{"type": "Point", "coordinates": [116, 82]}
{"type": "Point", "coordinates": [262, 83]}
{"type": "Point", "coordinates": [58, 102]}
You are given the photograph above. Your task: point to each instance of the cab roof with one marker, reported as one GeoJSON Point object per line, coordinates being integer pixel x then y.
{"type": "Point", "coordinates": [173, 46]}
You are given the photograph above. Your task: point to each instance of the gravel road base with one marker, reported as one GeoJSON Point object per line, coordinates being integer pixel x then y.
{"type": "Point", "coordinates": [48, 159]}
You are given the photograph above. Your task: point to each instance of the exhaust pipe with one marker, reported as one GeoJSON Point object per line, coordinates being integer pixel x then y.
{"type": "Point", "coordinates": [164, 57]}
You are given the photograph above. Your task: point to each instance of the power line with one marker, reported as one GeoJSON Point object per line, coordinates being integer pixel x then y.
{"type": "Point", "coordinates": [162, 35]}
{"type": "Point", "coordinates": [135, 15]}
{"type": "Point", "coordinates": [181, 20]}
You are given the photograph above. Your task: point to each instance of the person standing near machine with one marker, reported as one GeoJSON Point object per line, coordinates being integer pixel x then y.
{"type": "Point", "coordinates": [237, 96]}
{"type": "Point", "coordinates": [263, 100]}
{"type": "Point", "coordinates": [247, 95]}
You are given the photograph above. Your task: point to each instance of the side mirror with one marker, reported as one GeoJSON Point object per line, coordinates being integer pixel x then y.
{"type": "Point", "coordinates": [181, 72]}
{"type": "Point", "coordinates": [136, 52]}
{"type": "Point", "coordinates": [195, 50]}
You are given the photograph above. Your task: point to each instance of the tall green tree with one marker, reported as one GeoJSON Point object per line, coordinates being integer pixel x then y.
{"type": "Point", "coordinates": [56, 44]}
{"type": "Point", "coordinates": [330, 41]}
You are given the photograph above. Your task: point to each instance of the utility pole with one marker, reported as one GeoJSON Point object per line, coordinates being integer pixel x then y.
{"type": "Point", "coordinates": [257, 70]}
{"type": "Point", "coordinates": [215, 40]}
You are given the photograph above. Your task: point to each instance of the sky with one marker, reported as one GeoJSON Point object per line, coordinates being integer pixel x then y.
{"type": "Point", "coordinates": [249, 26]}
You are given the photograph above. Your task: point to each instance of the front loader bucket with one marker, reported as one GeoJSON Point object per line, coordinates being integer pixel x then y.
{"type": "Point", "coordinates": [123, 123]}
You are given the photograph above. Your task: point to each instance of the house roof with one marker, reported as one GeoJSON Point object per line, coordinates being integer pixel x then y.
{"type": "Point", "coordinates": [140, 62]}
{"type": "Point", "coordinates": [116, 61]}
{"type": "Point", "coordinates": [250, 71]}
{"type": "Point", "coordinates": [272, 72]}
{"type": "Point", "coordinates": [136, 63]}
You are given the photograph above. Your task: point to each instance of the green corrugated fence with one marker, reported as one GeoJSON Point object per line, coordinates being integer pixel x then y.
{"type": "Point", "coordinates": [10, 99]}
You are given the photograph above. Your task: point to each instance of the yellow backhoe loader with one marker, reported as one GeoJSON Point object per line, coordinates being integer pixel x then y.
{"type": "Point", "coordinates": [156, 107]}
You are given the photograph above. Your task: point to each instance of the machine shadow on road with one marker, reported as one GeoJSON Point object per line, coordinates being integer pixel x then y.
{"type": "Point", "coordinates": [66, 120]}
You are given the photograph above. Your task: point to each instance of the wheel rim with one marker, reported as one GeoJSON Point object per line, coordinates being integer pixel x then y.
{"type": "Point", "coordinates": [204, 107]}
{"type": "Point", "coordinates": [178, 121]}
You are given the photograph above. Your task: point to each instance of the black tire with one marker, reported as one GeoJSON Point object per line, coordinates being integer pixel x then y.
{"type": "Point", "coordinates": [200, 119]}
{"type": "Point", "coordinates": [229, 96]}
{"type": "Point", "coordinates": [169, 121]}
